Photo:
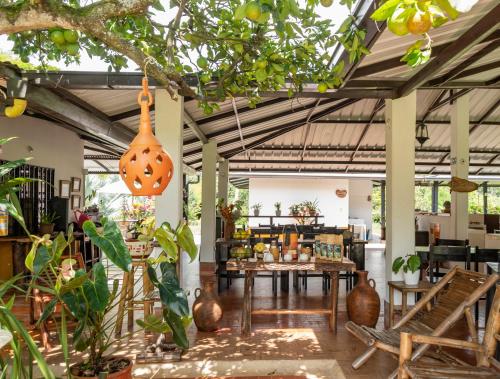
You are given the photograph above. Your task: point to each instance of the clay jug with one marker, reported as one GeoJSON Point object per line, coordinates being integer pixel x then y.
{"type": "Point", "coordinates": [363, 302]}
{"type": "Point", "coordinates": [207, 310]}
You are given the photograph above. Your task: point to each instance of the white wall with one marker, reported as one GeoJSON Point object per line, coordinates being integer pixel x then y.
{"type": "Point", "coordinates": [267, 191]}
{"type": "Point", "coordinates": [53, 147]}
{"type": "Point", "coordinates": [359, 205]}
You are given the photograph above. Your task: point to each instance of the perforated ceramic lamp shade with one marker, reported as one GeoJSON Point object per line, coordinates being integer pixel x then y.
{"type": "Point", "coordinates": [145, 167]}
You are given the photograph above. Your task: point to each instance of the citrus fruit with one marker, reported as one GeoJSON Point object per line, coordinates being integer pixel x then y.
{"type": "Point", "coordinates": [253, 11]}
{"type": "Point", "coordinates": [397, 22]}
{"type": "Point", "coordinates": [261, 64]}
{"type": "Point", "coordinates": [326, 3]}
{"type": "Point", "coordinates": [322, 87]}
{"type": "Point", "coordinates": [57, 37]}
{"type": "Point", "coordinates": [72, 48]}
{"type": "Point", "coordinates": [205, 78]}
{"type": "Point", "coordinates": [419, 23]}
{"type": "Point", "coordinates": [202, 62]}
{"type": "Point", "coordinates": [16, 109]}
{"type": "Point", "coordinates": [71, 36]}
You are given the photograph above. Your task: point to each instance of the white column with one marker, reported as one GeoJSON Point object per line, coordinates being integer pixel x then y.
{"type": "Point", "coordinates": [459, 161]}
{"type": "Point", "coordinates": [169, 121]}
{"type": "Point", "coordinates": [208, 193]}
{"type": "Point", "coordinates": [223, 180]}
{"type": "Point", "coordinates": [400, 118]}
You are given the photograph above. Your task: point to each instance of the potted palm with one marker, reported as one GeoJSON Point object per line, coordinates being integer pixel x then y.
{"type": "Point", "coordinates": [47, 223]}
{"type": "Point", "coordinates": [411, 268]}
{"type": "Point", "coordinates": [277, 208]}
{"type": "Point", "coordinates": [256, 209]}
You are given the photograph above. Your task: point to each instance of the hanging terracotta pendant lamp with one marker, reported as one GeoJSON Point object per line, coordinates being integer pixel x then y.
{"type": "Point", "coordinates": [145, 167]}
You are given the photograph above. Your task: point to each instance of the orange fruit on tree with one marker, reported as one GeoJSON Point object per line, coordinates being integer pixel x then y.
{"type": "Point", "coordinates": [419, 23]}
{"type": "Point", "coordinates": [253, 11]}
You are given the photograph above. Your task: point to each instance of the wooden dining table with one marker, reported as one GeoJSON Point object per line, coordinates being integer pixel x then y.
{"type": "Point", "coordinates": [251, 267]}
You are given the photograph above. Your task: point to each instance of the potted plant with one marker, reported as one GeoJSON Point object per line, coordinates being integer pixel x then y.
{"type": "Point", "coordinates": [230, 213]}
{"type": "Point", "coordinates": [256, 209]}
{"type": "Point", "coordinates": [277, 208]}
{"type": "Point", "coordinates": [411, 268]}
{"type": "Point", "coordinates": [311, 208]}
{"type": "Point", "coordinates": [294, 209]}
{"type": "Point", "coordinates": [85, 296]}
{"type": "Point", "coordinates": [47, 223]}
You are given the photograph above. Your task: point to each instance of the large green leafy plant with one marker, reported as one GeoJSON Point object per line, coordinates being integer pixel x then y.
{"type": "Point", "coordinates": [85, 295]}
{"type": "Point", "coordinates": [211, 49]}
{"type": "Point", "coordinates": [162, 271]}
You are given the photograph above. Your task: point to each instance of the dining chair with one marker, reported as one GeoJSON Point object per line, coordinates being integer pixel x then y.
{"type": "Point", "coordinates": [439, 254]}
{"type": "Point", "coordinates": [451, 242]}
{"type": "Point", "coordinates": [483, 256]}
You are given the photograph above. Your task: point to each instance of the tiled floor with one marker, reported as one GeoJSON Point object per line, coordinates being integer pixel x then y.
{"type": "Point", "coordinates": [275, 337]}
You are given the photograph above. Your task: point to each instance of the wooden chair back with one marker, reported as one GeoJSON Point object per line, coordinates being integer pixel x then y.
{"type": "Point", "coordinates": [454, 292]}
{"type": "Point", "coordinates": [486, 255]}
{"type": "Point", "coordinates": [439, 253]}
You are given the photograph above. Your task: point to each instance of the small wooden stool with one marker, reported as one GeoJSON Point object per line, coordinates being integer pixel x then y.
{"type": "Point", "coordinates": [421, 287]}
{"type": "Point", "coordinates": [127, 300]}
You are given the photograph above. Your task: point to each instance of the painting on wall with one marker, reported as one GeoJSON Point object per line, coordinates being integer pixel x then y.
{"type": "Point", "coordinates": [76, 184]}
{"type": "Point", "coordinates": [75, 201]}
{"type": "Point", "coordinates": [64, 189]}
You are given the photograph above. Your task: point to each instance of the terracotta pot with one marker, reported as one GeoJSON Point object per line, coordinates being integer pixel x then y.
{"type": "Point", "coordinates": [46, 229]}
{"type": "Point", "coordinates": [228, 230]}
{"type": "Point", "coordinates": [125, 373]}
{"type": "Point", "coordinates": [363, 302]}
{"type": "Point", "coordinates": [207, 311]}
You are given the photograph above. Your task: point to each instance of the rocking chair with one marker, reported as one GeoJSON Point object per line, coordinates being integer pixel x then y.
{"type": "Point", "coordinates": [449, 299]}
{"type": "Point", "coordinates": [444, 367]}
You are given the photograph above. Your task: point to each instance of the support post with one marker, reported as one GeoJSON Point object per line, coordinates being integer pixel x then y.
{"type": "Point", "coordinates": [400, 116]}
{"type": "Point", "coordinates": [435, 196]}
{"type": "Point", "coordinates": [459, 162]}
{"type": "Point", "coordinates": [208, 193]}
{"type": "Point", "coordinates": [223, 180]}
{"type": "Point", "coordinates": [485, 198]}
{"type": "Point", "coordinates": [169, 121]}
{"type": "Point", "coordinates": [382, 210]}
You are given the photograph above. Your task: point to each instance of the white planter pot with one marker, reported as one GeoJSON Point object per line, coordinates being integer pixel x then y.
{"type": "Point", "coordinates": [411, 278]}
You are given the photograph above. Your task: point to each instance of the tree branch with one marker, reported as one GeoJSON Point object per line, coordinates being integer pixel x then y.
{"type": "Point", "coordinates": [107, 9]}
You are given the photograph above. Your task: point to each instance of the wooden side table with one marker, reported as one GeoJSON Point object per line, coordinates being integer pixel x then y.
{"type": "Point", "coordinates": [421, 287]}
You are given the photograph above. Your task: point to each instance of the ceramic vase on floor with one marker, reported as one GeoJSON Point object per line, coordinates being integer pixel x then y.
{"type": "Point", "coordinates": [363, 302]}
{"type": "Point", "coordinates": [207, 310]}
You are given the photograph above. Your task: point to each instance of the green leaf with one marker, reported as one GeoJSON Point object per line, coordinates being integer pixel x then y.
{"type": "Point", "coordinates": [155, 324]}
{"type": "Point", "coordinates": [166, 241]}
{"type": "Point", "coordinates": [110, 241]}
{"type": "Point", "coordinates": [9, 166]}
{"type": "Point", "coordinates": [42, 259]}
{"type": "Point", "coordinates": [185, 239]}
{"type": "Point", "coordinates": [397, 264]}
{"type": "Point", "coordinates": [448, 8]}
{"type": "Point", "coordinates": [413, 263]}
{"type": "Point", "coordinates": [96, 291]}
{"type": "Point", "coordinates": [172, 295]}
{"type": "Point", "coordinates": [385, 10]}
{"type": "Point", "coordinates": [260, 75]}
{"type": "Point", "coordinates": [178, 329]}
{"type": "Point", "coordinates": [72, 284]}
{"type": "Point", "coordinates": [240, 12]}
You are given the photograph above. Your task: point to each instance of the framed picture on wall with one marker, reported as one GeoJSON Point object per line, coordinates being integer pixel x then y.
{"type": "Point", "coordinates": [76, 184]}
{"type": "Point", "coordinates": [75, 201]}
{"type": "Point", "coordinates": [64, 189]}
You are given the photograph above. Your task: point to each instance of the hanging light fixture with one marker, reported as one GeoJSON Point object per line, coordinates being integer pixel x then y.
{"type": "Point", "coordinates": [146, 168]}
{"type": "Point", "coordinates": [421, 133]}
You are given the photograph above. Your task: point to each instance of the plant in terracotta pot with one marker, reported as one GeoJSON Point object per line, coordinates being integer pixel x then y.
{"type": "Point", "coordinates": [277, 208]}
{"type": "Point", "coordinates": [84, 296]}
{"type": "Point", "coordinates": [411, 268]}
{"type": "Point", "coordinates": [256, 209]}
{"type": "Point", "coordinates": [47, 223]}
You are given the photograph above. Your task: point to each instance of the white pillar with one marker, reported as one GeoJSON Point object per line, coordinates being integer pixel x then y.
{"type": "Point", "coordinates": [400, 118]}
{"type": "Point", "coordinates": [459, 161]}
{"type": "Point", "coordinates": [223, 180]}
{"type": "Point", "coordinates": [169, 121]}
{"type": "Point", "coordinates": [208, 188]}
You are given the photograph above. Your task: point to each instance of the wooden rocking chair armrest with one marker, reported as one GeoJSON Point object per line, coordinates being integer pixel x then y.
{"type": "Point", "coordinates": [359, 333]}
{"type": "Point", "coordinates": [442, 341]}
